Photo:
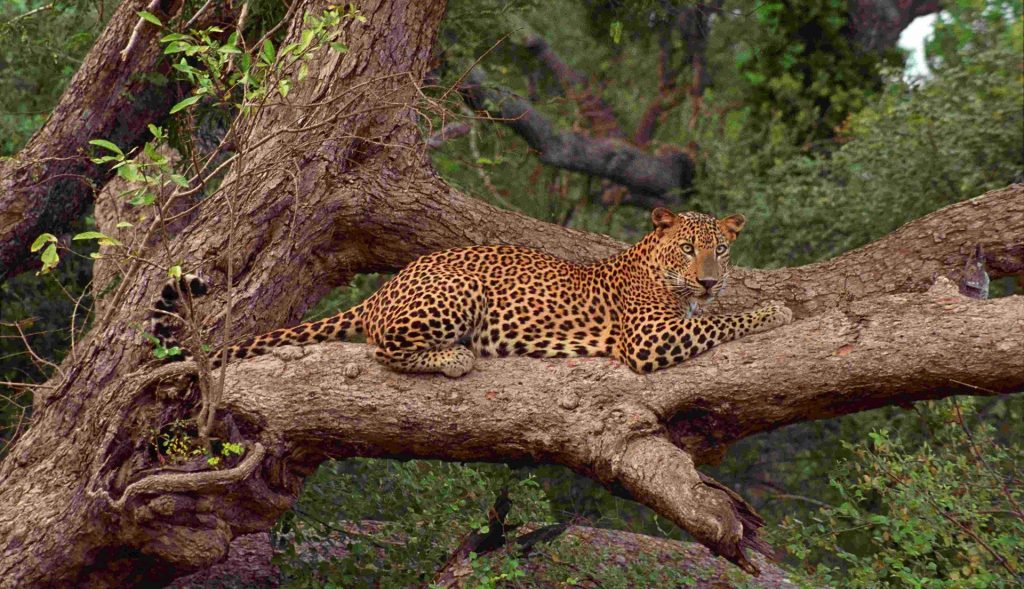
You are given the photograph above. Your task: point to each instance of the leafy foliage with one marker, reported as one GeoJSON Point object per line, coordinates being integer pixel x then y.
{"type": "Point", "coordinates": [41, 46]}
{"type": "Point", "coordinates": [945, 512]}
{"type": "Point", "coordinates": [915, 150]}
{"type": "Point", "coordinates": [803, 70]}
{"type": "Point", "coordinates": [424, 508]}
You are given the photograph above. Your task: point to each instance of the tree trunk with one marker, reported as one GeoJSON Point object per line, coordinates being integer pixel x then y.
{"type": "Point", "coordinates": [333, 181]}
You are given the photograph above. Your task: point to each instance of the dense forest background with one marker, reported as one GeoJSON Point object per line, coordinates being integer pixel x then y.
{"type": "Point", "coordinates": [784, 111]}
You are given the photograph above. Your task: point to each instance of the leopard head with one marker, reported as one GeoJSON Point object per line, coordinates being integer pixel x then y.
{"type": "Point", "coordinates": [691, 252]}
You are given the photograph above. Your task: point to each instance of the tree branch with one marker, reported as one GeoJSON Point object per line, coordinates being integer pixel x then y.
{"type": "Point", "coordinates": [606, 422]}
{"type": "Point", "coordinates": [447, 133]}
{"type": "Point", "coordinates": [907, 260]}
{"type": "Point", "coordinates": [693, 24]}
{"type": "Point", "coordinates": [651, 178]}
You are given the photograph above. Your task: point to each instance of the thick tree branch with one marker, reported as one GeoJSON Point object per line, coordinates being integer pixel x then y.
{"type": "Point", "coordinates": [907, 260]}
{"type": "Point", "coordinates": [653, 468]}
{"type": "Point", "coordinates": [602, 420]}
{"type": "Point", "coordinates": [651, 178]}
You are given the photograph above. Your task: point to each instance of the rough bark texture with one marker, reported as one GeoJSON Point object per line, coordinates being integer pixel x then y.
{"type": "Point", "coordinates": [49, 184]}
{"type": "Point", "coordinates": [334, 181]}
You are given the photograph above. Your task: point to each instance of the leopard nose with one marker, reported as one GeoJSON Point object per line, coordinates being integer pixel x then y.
{"type": "Point", "coordinates": [707, 283]}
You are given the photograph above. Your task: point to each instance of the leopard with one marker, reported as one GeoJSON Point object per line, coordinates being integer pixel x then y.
{"type": "Point", "coordinates": [448, 308]}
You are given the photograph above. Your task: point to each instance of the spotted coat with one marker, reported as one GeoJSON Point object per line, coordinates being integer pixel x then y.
{"type": "Point", "coordinates": [447, 308]}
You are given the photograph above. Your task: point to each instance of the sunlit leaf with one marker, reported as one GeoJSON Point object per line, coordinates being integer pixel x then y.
{"type": "Point", "coordinates": [184, 104]}
{"type": "Point", "coordinates": [150, 18]}
{"type": "Point", "coordinates": [42, 240]}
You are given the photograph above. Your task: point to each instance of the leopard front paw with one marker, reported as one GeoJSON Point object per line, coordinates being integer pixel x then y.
{"type": "Point", "coordinates": [773, 314]}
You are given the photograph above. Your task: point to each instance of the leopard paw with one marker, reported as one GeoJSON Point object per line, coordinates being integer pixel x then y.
{"type": "Point", "coordinates": [460, 360]}
{"type": "Point", "coordinates": [773, 314]}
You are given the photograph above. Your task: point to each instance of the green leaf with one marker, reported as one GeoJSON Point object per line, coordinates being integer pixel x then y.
{"type": "Point", "coordinates": [339, 47]}
{"type": "Point", "coordinates": [283, 86]}
{"type": "Point", "coordinates": [42, 240]}
{"type": "Point", "coordinates": [123, 224]}
{"type": "Point", "coordinates": [89, 235]}
{"type": "Point", "coordinates": [174, 271]}
{"type": "Point", "coordinates": [176, 47]}
{"type": "Point", "coordinates": [157, 132]}
{"type": "Point", "coordinates": [143, 198]}
{"type": "Point", "coordinates": [179, 180]}
{"type": "Point", "coordinates": [49, 259]}
{"type": "Point", "coordinates": [268, 54]}
{"type": "Point", "coordinates": [616, 31]}
{"type": "Point", "coordinates": [161, 352]}
{"type": "Point", "coordinates": [152, 154]}
{"type": "Point", "coordinates": [107, 145]}
{"type": "Point", "coordinates": [184, 104]}
{"type": "Point", "coordinates": [129, 172]}
{"type": "Point", "coordinates": [288, 49]}
{"type": "Point", "coordinates": [173, 37]}
{"type": "Point", "coordinates": [103, 239]}
{"type": "Point", "coordinates": [150, 18]}
{"type": "Point", "coordinates": [305, 39]}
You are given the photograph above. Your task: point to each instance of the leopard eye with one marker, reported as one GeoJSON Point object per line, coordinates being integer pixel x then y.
{"type": "Point", "coordinates": [721, 249]}
{"type": "Point", "coordinates": [688, 248]}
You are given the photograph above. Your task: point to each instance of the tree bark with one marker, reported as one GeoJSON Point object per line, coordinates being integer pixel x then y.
{"type": "Point", "coordinates": [334, 181]}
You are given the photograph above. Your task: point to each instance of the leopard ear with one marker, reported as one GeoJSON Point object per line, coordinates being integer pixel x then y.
{"type": "Point", "coordinates": [663, 218]}
{"type": "Point", "coordinates": [732, 225]}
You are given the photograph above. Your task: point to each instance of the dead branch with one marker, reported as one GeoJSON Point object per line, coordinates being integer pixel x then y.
{"type": "Point", "coordinates": [651, 178]}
